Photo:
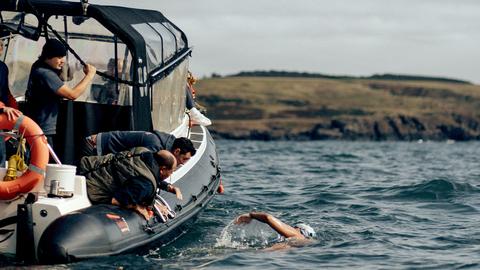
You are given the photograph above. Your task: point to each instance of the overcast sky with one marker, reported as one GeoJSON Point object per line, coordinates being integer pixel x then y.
{"type": "Point", "coordinates": [338, 37]}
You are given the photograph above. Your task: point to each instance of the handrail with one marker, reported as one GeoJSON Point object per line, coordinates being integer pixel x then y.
{"type": "Point", "coordinates": [156, 73]}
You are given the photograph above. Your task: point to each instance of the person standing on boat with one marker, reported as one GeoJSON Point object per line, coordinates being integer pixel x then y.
{"type": "Point", "coordinates": [9, 106]}
{"type": "Point", "coordinates": [196, 116]}
{"type": "Point", "coordinates": [129, 179]}
{"type": "Point", "coordinates": [46, 88]}
{"type": "Point", "coordinates": [116, 141]}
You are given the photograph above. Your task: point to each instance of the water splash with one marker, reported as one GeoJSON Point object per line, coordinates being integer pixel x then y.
{"type": "Point", "coordinates": [255, 234]}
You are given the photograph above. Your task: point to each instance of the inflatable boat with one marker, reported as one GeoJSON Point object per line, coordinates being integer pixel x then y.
{"type": "Point", "coordinates": [145, 91]}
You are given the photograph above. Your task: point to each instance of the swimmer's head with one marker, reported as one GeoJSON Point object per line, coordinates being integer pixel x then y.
{"type": "Point", "coordinates": [306, 230]}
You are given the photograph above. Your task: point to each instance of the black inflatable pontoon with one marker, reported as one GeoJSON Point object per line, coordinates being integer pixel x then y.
{"type": "Point", "coordinates": [102, 230]}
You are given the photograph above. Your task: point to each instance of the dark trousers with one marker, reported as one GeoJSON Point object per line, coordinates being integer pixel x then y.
{"type": "Point", "coordinates": [189, 102]}
{"type": "Point", "coordinates": [51, 140]}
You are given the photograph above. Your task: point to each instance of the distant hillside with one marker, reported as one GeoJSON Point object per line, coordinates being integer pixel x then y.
{"type": "Point", "coordinates": [271, 108]}
{"type": "Point", "coordinates": [291, 74]}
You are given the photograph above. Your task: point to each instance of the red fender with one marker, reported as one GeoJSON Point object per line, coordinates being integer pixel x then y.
{"type": "Point", "coordinates": [38, 157]}
{"type": "Point", "coordinates": [220, 189]}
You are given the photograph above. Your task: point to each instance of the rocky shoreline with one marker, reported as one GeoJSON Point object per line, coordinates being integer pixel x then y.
{"type": "Point", "coordinates": [327, 109]}
{"type": "Point", "coordinates": [398, 128]}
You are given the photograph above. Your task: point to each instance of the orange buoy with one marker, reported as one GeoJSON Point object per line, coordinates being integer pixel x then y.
{"type": "Point", "coordinates": [220, 189]}
{"type": "Point", "coordinates": [38, 156]}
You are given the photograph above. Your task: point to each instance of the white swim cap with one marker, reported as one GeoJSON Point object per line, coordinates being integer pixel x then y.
{"type": "Point", "coordinates": [306, 230]}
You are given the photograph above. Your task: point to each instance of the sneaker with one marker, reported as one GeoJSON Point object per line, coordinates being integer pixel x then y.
{"type": "Point", "coordinates": [198, 118]}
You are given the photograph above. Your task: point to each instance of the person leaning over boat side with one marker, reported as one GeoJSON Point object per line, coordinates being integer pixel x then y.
{"type": "Point", "coordinates": [117, 141]}
{"type": "Point", "coordinates": [301, 233]}
{"type": "Point", "coordinates": [46, 88]}
{"type": "Point", "coordinates": [9, 106]}
{"type": "Point", "coordinates": [129, 179]}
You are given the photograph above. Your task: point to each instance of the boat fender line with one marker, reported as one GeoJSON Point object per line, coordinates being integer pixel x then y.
{"type": "Point", "coordinates": [148, 228]}
{"type": "Point", "coordinates": [38, 156]}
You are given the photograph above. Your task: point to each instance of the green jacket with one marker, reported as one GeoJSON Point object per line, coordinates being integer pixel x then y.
{"type": "Point", "coordinates": [105, 174]}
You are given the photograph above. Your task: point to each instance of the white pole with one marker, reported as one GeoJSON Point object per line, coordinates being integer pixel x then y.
{"type": "Point", "coordinates": [54, 156]}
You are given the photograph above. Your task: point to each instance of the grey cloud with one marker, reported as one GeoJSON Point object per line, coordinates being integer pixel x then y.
{"type": "Point", "coordinates": [431, 37]}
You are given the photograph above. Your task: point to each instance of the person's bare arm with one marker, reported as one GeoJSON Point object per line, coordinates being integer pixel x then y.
{"type": "Point", "coordinates": [75, 92]}
{"type": "Point", "coordinates": [175, 190]}
{"type": "Point", "coordinates": [283, 229]}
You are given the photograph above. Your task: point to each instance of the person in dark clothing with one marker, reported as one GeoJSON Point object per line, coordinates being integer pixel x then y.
{"type": "Point", "coordinates": [196, 116]}
{"type": "Point", "coordinates": [117, 141]}
{"type": "Point", "coordinates": [46, 88]}
{"type": "Point", "coordinates": [9, 106]}
{"type": "Point", "coordinates": [129, 179]}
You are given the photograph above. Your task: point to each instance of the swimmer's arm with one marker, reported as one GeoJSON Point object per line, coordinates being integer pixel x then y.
{"type": "Point", "coordinates": [283, 229]}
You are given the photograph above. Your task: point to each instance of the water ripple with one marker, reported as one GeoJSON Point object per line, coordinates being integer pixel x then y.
{"type": "Point", "coordinates": [437, 189]}
{"type": "Point", "coordinates": [388, 205]}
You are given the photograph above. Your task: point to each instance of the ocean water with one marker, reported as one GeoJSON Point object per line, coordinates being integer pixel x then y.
{"type": "Point", "coordinates": [373, 205]}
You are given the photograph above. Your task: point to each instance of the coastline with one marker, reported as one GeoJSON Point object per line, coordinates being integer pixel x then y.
{"type": "Point", "coordinates": [259, 108]}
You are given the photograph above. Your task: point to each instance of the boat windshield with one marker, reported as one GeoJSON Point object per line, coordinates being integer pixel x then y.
{"type": "Point", "coordinates": [162, 41]}
{"type": "Point", "coordinates": [93, 43]}
{"type": "Point", "coordinates": [19, 22]}
{"type": "Point", "coordinates": [168, 99]}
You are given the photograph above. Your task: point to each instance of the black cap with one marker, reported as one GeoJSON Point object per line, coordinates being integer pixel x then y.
{"type": "Point", "coordinates": [53, 48]}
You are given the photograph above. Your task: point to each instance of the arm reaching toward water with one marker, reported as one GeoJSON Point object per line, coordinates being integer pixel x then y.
{"type": "Point", "coordinates": [175, 190]}
{"type": "Point", "coordinates": [283, 229]}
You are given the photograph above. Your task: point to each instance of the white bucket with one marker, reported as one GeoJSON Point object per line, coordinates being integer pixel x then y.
{"type": "Point", "coordinates": [65, 174]}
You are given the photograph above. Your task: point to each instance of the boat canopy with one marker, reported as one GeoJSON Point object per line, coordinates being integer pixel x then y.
{"type": "Point", "coordinates": [141, 57]}
{"type": "Point", "coordinates": [153, 40]}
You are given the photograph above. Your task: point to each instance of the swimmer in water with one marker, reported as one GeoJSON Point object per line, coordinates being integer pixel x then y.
{"type": "Point", "coordinates": [301, 233]}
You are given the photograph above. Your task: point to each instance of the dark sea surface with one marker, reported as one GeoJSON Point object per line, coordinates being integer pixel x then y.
{"type": "Point", "coordinates": [373, 205]}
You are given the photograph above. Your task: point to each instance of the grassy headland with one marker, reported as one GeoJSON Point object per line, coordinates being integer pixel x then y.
{"type": "Point", "coordinates": [341, 108]}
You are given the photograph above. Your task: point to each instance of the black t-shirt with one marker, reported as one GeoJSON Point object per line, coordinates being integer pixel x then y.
{"type": "Point", "coordinates": [42, 97]}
